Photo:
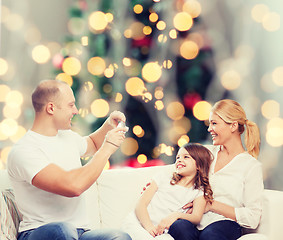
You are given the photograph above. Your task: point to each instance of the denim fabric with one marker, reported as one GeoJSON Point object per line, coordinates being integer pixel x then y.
{"type": "Point", "coordinates": [221, 230]}
{"type": "Point", "coordinates": [65, 231]}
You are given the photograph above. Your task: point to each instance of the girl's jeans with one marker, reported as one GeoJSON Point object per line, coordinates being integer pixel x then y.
{"type": "Point", "coordinates": [65, 231]}
{"type": "Point", "coordinates": [221, 230]}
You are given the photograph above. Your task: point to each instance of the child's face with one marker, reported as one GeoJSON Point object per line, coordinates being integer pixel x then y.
{"type": "Point", "coordinates": [185, 164]}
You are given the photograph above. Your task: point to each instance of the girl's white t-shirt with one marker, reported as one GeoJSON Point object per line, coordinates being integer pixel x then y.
{"type": "Point", "coordinates": [169, 198]}
{"type": "Point", "coordinates": [30, 155]}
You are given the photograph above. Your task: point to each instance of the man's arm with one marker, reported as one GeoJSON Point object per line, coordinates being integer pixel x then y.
{"type": "Point", "coordinates": [74, 182]}
{"type": "Point", "coordinates": [95, 139]}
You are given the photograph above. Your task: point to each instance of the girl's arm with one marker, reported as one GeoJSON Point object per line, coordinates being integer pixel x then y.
{"type": "Point", "coordinates": [141, 209]}
{"type": "Point", "coordinates": [195, 217]}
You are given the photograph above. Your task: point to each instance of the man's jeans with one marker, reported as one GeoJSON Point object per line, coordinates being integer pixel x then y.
{"type": "Point", "coordinates": [221, 230]}
{"type": "Point", "coordinates": [65, 231]}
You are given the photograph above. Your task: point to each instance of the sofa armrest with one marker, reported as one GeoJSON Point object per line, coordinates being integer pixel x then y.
{"type": "Point", "coordinates": [271, 224]}
{"type": "Point", "coordinates": [253, 236]}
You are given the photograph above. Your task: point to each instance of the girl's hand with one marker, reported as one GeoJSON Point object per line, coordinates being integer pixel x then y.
{"type": "Point", "coordinates": [165, 223]}
{"type": "Point", "coordinates": [152, 230]}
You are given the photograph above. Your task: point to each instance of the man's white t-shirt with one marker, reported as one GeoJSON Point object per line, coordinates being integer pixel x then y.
{"type": "Point", "coordinates": [31, 154]}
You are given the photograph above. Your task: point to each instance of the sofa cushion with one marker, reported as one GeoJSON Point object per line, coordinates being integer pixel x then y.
{"type": "Point", "coordinates": [119, 190]}
{"type": "Point", "coordinates": [8, 230]}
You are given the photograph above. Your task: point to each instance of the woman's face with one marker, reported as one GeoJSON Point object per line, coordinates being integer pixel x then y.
{"type": "Point", "coordinates": [220, 131]}
{"type": "Point", "coordinates": [185, 164]}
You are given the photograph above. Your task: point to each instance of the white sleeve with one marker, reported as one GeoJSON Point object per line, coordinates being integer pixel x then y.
{"type": "Point", "coordinates": [25, 163]}
{"type": "Point", "coordinates": [249, 215]}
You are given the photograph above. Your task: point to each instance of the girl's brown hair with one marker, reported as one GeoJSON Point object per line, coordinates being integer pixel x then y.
{"type": "Point", "coordinates": [203, 158]}
{"type": "Point", "coordinates": [229, 111]}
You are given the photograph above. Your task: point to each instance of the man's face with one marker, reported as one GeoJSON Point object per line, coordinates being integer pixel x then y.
{"type": "Point", "coordinates": [65, 108]}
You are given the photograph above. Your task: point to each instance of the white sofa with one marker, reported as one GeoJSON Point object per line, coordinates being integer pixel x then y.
{"type": "Point", "coordinates": [116, 191]}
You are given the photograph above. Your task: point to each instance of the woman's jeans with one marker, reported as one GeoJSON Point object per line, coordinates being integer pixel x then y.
{"type": "Point", "coordinates": [65, 231]}
{"type": "Point", "coordinates": [221, 230]}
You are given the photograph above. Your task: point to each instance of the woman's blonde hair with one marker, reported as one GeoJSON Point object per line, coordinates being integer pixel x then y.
{"type": "Point", "coordinates": [229, 111]}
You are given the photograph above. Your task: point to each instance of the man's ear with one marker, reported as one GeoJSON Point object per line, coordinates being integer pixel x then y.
{"type": "Point", "coordinates": [50, 108]}
{"type": "Point", "coordinates": [234, 126]}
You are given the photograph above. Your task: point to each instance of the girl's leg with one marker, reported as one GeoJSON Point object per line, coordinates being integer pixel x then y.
{"type": "Point", "coordinates": [54, 231]}
{"type": "Point", "coordinates": [221, 230]}
{"type": "Point", "coordinates": [104, 234]}
{"type": "Point", "coordinates": [183, 230]}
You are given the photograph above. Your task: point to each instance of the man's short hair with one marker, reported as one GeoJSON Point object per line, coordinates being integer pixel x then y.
{"type": "Point", "coordinates": [46, 91]}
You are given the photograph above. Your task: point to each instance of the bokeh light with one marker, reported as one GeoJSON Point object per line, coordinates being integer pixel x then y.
{"type": "Point", "coordinates": [270, 109]}
{"type": "Point", "coordinates": [271, 22]}
{"type": "Point", "coordinates": [277, 76]}
{"type": "Point", "coordinates": [258, 12]}
{"type": "Point", "coordinates": [41, 54]}
{"type": "Point", "coordinates": [138, 131]}
{"type": "Point", "coordinates": [3, 67]}
{"type": "Point", "coordinates": [274, 134]}
{"type": "Point", "coordinates": [97, 21]}
{"type": "Point", "coordinates": [129, 146]}
{"type": "Point", "coordinates": [135, 86]}
{"type": "Point", "coordinates": [138, 8]}
{"type": "Point", "coordinates": [175, 110]}
{"type": "Point", "coordinates": [20, 133]}
{"type": "Point", "coordinates": [9, 127]}
{"type": "Point", "coordinates": [99, 108]}
{"type": "Point", "coordinates": [96, 66]}
{"type": "Point", "coordinates": [71, 66]}
{"type": "Point", "coordinates": [65, 78]}
{"type": "Point", "coordinates": [201, 110]}
{"type": "Point", "coordinates": [183, 140]}
{"type": "Point", "coordinates": [151, 72]}
{"type": "Point", "coordinates": [183, 21]}
{"type": "Point", "coordinates": [231, 79]}
{"type": "Point", "coordinates": [189, 50]}
{"type": "Point", "coordinates": [4, 90]}
{"type": "Point", "coordinates": [14, 98]}
{"type": "Point", "coordinates": [142, 159]}
{"type": "Point", "coordinates": [192, 7]}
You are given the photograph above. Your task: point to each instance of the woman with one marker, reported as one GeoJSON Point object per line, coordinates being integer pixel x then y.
{"type": "Point", "coordinates": [235, 178]}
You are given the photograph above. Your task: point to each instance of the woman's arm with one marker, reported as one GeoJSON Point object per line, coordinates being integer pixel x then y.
{"type": "Point", "coordinates": [249, 214]}
{"type": "Point", "coordinates": [222, 209]}
{"type": "Point", "coordinates": [141, 209]}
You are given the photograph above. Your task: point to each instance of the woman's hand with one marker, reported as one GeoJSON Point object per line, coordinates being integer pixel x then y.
{"type": "Point", "coordinates": [188, 207]}
{"type": "Point", "coordinates": [166, 222]}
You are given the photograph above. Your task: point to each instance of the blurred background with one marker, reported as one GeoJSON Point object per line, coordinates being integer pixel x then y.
{"type": "Point", "coordinates": [164, 63]}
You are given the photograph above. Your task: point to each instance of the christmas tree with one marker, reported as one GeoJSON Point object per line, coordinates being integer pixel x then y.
{"type": "Point", "coordinates": [151, 60]}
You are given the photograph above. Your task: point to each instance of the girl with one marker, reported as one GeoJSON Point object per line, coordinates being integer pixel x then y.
{"type": "Point", "coordinates": [235, 177]}
{"type": "Point", "coordinates": [161, 203]}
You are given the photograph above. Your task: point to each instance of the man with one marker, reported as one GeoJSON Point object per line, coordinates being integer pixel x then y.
{"type": "Point", "coordinates": [45, 169]}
